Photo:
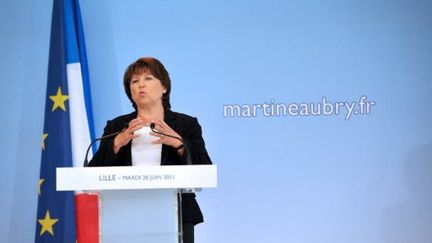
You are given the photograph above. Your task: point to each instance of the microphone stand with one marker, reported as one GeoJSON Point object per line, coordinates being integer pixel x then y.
{"type": "Point", "coordinates": [188, 158]}
{"type": "Point", "coordinates": [85, 164]}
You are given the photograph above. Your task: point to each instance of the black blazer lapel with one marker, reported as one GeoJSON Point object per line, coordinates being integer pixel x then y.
{"type": "Point", "coordinates": [169, 119]}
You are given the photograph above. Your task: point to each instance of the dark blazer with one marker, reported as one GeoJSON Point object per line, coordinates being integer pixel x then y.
{"type": "Point", "coordinates": [190, 131]}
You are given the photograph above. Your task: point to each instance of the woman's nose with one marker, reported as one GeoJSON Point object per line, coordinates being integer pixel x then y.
{"type": "Point", "coordinates": [141, 83]}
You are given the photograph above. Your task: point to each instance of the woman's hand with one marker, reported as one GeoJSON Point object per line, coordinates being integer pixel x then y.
{"type": "Point", "coordinates": [162, 127]}
{"type": "Point", "coordinates": [127, 135]}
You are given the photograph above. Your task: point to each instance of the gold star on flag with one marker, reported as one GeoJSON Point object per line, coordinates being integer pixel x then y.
{"type": "Point", "coordinates": [44, 136]}
{"type": "Point", "coordinates": [59, 100]}
{"type": "Point", "coordinates": [39, 185]}
{"type": "Point", "coordinates": [47, 224]}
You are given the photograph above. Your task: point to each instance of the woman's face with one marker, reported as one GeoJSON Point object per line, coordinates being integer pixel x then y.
{"type": "Point", "coordinates": [146, 90]}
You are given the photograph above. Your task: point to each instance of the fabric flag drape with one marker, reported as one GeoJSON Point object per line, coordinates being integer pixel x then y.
{"type": "Point", "coordinates": [68, 129]}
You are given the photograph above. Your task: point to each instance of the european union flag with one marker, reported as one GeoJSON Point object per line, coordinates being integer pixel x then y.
{"type": "Point", "coordinates": [68, 125]}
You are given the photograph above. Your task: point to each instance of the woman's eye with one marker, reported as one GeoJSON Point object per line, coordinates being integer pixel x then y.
{"type": "Point", "coordinates": [148, 78]}
{"type": "Point", "coordinates": [134, 81]}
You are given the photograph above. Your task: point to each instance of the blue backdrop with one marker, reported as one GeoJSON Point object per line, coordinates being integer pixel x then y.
{"type": "Point", "coordinates": [317, 113]}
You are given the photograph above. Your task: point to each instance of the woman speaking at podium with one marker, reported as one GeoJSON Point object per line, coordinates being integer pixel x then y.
{"type": "Point", "coordinates": [153, 134]}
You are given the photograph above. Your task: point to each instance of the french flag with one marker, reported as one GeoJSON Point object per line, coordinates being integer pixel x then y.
{"type": "Point", "coordinates": [81, 117]}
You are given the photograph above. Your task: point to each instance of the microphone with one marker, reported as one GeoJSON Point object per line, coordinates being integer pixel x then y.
{"type": "Point", "coordinates": [85, 164]}
{"type": "Point", "coordinates": [188, 158]}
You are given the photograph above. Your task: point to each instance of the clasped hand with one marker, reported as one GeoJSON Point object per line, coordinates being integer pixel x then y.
{"type": "Point", "coordinates": [134, 125]}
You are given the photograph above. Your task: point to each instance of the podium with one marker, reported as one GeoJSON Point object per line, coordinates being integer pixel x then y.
{"type": "Point", "coordinates": [138, 204]}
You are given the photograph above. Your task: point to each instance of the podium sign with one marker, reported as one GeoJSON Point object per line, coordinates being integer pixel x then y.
{"type": "Point", "coordinates": [136, 177]}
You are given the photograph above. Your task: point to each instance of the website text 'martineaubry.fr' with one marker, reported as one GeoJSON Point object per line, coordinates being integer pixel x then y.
{"type": "Point", "coordinates": [362, 106]}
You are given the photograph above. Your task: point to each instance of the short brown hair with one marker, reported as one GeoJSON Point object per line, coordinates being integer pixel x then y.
{"type": "Point", "coordinates": [154, 67]}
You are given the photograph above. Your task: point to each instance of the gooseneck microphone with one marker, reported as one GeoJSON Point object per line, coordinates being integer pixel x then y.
{"type": "Point", "coordinates": [85, 164]}
{"type": "Point", "coordinates": [188, 158]}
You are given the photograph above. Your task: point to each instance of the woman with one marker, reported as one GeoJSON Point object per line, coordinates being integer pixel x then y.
{"type": "Point", "coordinates": [147, 85]}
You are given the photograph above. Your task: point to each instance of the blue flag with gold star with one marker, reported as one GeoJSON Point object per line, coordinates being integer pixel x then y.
{"type": "Point", "coordinates": [68, 125]}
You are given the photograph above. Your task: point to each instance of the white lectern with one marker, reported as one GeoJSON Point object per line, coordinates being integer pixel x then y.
{"type": "Point", "coordinates": [138, 204]}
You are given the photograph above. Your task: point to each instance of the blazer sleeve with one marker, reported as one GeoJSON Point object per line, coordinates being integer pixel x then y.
{"type": "Point", "coordinates": [195, 142]}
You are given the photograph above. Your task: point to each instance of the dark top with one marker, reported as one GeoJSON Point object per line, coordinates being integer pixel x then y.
{"type": "Point", "coordinates": [190, 131]}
